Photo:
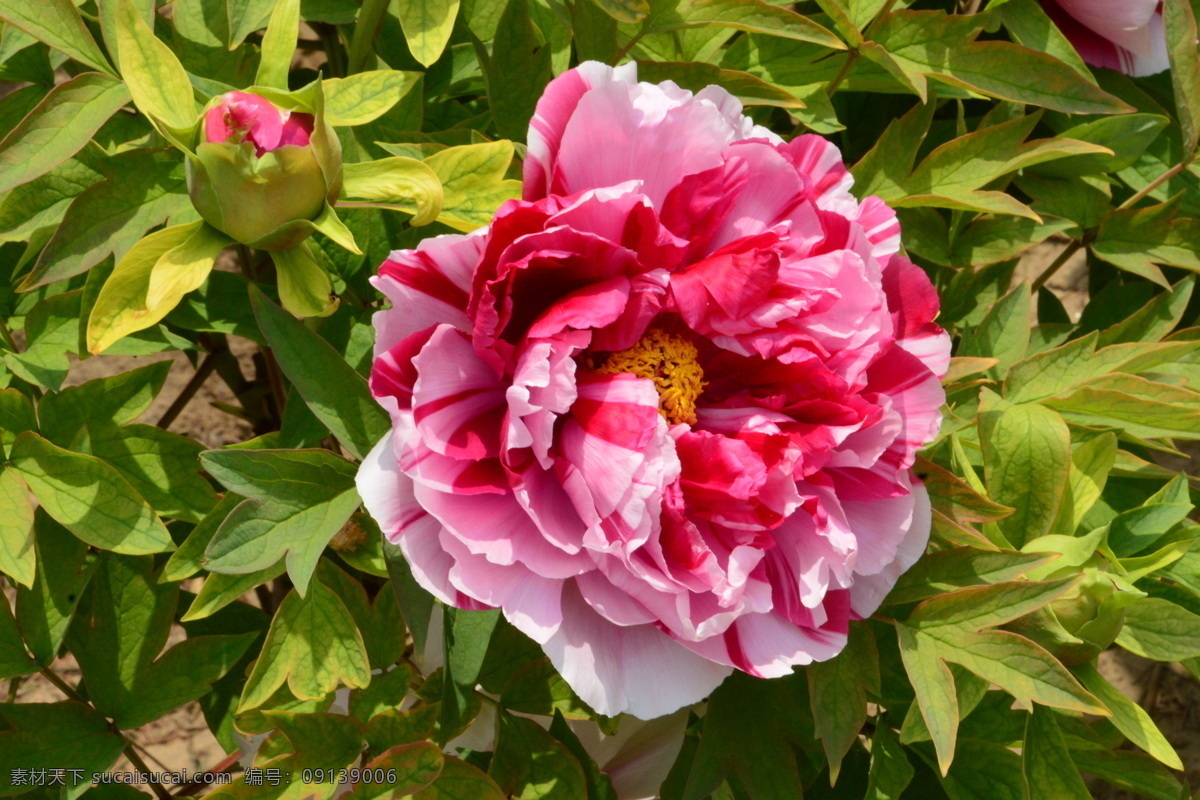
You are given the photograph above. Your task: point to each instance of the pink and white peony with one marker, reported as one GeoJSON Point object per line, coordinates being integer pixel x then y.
{"type": "Point", "coordinates": [663, 410]}
{"type": "Point", "coordinates": [1125, 35]}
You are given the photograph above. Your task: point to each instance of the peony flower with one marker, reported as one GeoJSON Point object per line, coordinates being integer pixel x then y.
{"type": "Point", "coordinates": [663, 410]}
{"type": "Point", "coordinates": [262, 173]}
{"type": "Point", "coordinates": [1125, 35]}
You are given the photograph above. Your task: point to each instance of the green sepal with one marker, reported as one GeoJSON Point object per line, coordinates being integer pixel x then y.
{"type": "Point", "coordinates": [304, 285]}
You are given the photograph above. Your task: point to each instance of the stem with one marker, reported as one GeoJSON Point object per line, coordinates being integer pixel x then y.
{"type": "Point", "coordinates": [1063, 258]}
{"type": "Point", "coordinates": [362, 43]}
{"type": "Point", "coordinates": [1075, 246]}
{"type": "Point", "coordinates": [140, 765]}
{"type": "Point", "coordinates": [13, 686]}
{"type": "Point", "coordinates": [62, 685]}
{"type": "Point", "coordinates": [225, 765]}
{"type": "Point", "coordinates": [129, 751]}
{"type": "Point", "coordinates": [8, 337]}
{"type": "Point", "coordinates": [1154, 184]}
{"type": "Point", "coordinates": [206, 368]}
{"type": "Point", "coordinates": [851, 57]}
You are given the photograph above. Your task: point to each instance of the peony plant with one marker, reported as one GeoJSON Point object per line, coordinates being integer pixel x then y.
{"type": "Point", "coordinates": [600, 401]}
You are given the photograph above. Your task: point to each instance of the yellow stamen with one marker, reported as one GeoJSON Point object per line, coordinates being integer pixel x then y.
{"type": "Point", "coordinates": [671, 362]}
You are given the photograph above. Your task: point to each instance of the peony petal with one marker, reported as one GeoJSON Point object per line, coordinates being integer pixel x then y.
{"type": "Point", "coordinates": [636, 670]}
{"type": "Point", "coordinates": [427, 286]}
{"type": "Point", "coordinates": [868, 591]}
{"type": "Point", "coordinates": [554, 110]}
{"type": "Point", "coordinates": [387, 494]}
{"type": "Point", "coordinates": [652, 134]}
{"type": "Point", "coordinates": [458, 401]}
{"type": "Point", "coordinates": [297, 130]}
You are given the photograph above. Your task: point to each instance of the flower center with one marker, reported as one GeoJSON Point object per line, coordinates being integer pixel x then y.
{"type": "Point", "coordinates": [671, 362]}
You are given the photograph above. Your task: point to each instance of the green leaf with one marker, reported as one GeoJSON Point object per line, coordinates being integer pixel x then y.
{"type": "Point", "coordinates": [158, 82]}
{"type": "Point", "coordinates": [984, 771]}
{"type": "Point", "coordinates": [949, 629]}
{"type": "Point", "coordinates": [288, 654]}
{"type": "Point", "coordinates": [410, 184]}
{"type": "Point", "coordinates": [219, 591]}
{"type": "Point", "coordinates": [320, 741]}
{"type": "Point", "coordinates": [886, 166]}
{"type": "Point", "coordinates": [1139, 529]}
{"type": "Point", "coordinates": [58, 24]}
{"type": "Point", "coordinates": [473, 182]}
{"type": "Point", "coordinates": [1155, 320]}
{"type": "Point", "coordinates": [1091, 463]}
{"type": "Point", "coordinates": [335, 393]}
{"type": "Point", "coordinates": [162, 466]}
{"type": "Point", "coordinates": [1128, 717]}
{"type": "Point", "coordinates": [1160, 630]}
{"type": "Point", "coordinates": [954, 174]}
{"type": "Point", "coordinates": [1132, 771]}
{"type": "Point", "coordinates": [142, 190]}
{"type": "Point", "coordinates": [1045, 763]}
{"type": "Point", "coordinates": [1033, 28]}
{"type": "Point", "coordinates": [14, 660]}
{"type": "Point", "coordinates": [837, 690]}
{"type": "Point", "coordinates": [108, 12]}
{"type": "Point", "coordinates": [59, 127]}
{"type": "Point", "coordinates": [943, 46]}
{"type": "Point", "coordinates": [537, 688]}
{"type": "Point", "coordinates": [756, 16]}
{"type": "Point", "coordinates": [366, 96]}
{"type": "Point", "coordinates": [297, 501]}
{"type": "Point", "coordinates": [427, 25]}
{"type": "Point", "coordinates": [123, 625]}
{"type": "Point", "coordinates": [414, 766]}
{"type": "Point", "coordinates": [466, 644]}
{"type": "Point", "coordinates": [529, 763]}
{"type": "Point", "coordinates": [1027, 457]}
{"type": "Point", "coordinates": [1136, 406]}
{"type": "Point", "coordinates": [517, 72]}
{"type": "Point", "coordinates": [890, 771]}
{"type": "Point", "coordinates": [117, 399]}
{"type": "Point", "coordinates": [460, 781]}
{"type": "Point", "coordinates": [1138, 239]}
{"type": "Point", "coordinates": [756, 749]}
{"type": "Point", "coordinates": [18, 558]}
{"type": "Point", "coordinates": [599, 785]}
{"type": "Point", "coordinates": [51, 332]}
{"type": "Point", "coordinates": [43, 202]}
{"type": "Point", "coordinates": [394, 727]}
{"type": "Point", "coordinates": [1003, 334]}
{"type": "Point", "coordinates": [63, 572]}
{"type": "Point", "coordinates": [988, 240]}
{"type": "Point", "coordinates": [245, 17]}
{"type": "Point", "coordinates": [1127, 136]}
{"type": "Point", "coordinates": [55, 736]}
{"type": "Point", "coordinates": [123, 305]}
{"type": "Point", "coordinates": [947, 570]}
{"type": "Point", "coordinates": [89, 498]}
{"type": "Point", "coordinates": [278, 45]}
{"type": "Point", "coordinates": [188, 559]}
{"type": "Point", "coordinates": [416, 604]}
{"type": "Point", "coordinates": [185, 267]}
{"type": "Point", "coordinates": [305, 288]}
{"type": "Point", "coordinates": [1179, 19]}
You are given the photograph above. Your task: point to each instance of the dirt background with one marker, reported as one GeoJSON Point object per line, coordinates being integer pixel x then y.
{"type": "Point", "coordinates": [182, 740]}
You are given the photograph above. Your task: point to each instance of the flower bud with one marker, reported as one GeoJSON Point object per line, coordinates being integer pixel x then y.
{"type": "Point", "coordinates": [1082, 623]}
{"type": "Point", "coordinates": [264, 170]}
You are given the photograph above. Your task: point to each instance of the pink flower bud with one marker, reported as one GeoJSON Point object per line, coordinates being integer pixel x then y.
{"type": "Point", "coordinates": [240, 117]}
